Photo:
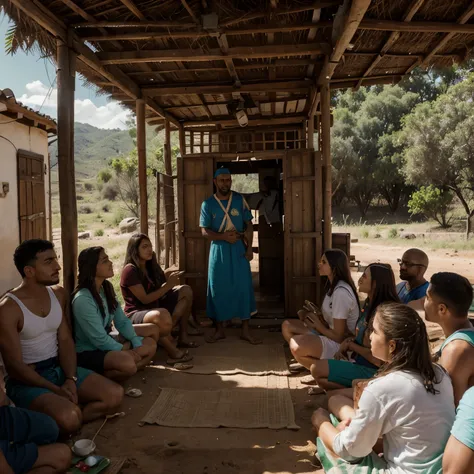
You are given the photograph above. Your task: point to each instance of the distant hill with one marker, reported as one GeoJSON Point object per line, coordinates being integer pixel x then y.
{"type": "Point", "coordinates": [94, 147]}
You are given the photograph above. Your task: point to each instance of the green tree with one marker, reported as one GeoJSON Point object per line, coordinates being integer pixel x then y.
{"type": "Point", "coordinates": [433, 203]}
{"type": "Point", "coordinates": [439, 139]}
{"type": "Point", "coordinates": [126, 179]}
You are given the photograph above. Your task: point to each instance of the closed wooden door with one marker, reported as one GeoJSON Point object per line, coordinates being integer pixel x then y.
{"type": "Point", "coordinates": [31, 195]}
{"type": "Point", "coordinates": [302, 181]}
{"type": "Point", "coordinates": [195, 184]}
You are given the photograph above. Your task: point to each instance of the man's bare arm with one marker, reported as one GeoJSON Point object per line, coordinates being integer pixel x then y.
{"type": "Point", "coordinates": [66, 345]}
{"type": "Point", "coordinates": [457, 358]}
{"type": "Point", "coordinates": [458, 458]}
{"type": "Point", "coordinates": [10, 347]}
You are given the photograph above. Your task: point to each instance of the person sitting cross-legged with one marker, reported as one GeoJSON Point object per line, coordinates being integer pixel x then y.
{"type": "Point", "coordinates": [409, 403]}
{"type": "Point", "coordinates": [38, 349]}
{"type": "Point", "coordinates": [378, 282]}
{"type": "Point", "coordinates": [28, 442]}
{"type": "Point", "coordinates": [152, 297]}
{"type": "Point", "coordinates": [447, 303]}
{"type": "Point", "coordinates": [95, 309]}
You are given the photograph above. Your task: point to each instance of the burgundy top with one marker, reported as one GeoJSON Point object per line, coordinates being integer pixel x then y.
{"type": "Point", "coordinates": [131, 277]}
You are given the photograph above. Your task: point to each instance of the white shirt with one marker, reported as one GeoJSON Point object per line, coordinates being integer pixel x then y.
{"type": "Point", "coordinates": [342, 304]}
{"type": "Point", "coordinates": [415, 424]}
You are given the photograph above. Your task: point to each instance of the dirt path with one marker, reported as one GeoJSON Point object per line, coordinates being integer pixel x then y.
{"type": "Point", "coordinates": [208, 451]}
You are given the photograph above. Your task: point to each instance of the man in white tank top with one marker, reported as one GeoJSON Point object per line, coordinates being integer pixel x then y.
{"type": "Point", "coordinates": [38, 349]}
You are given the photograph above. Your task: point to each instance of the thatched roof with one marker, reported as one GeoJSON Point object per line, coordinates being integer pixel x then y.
{"type": "Point", "coordinates": [196, 61]}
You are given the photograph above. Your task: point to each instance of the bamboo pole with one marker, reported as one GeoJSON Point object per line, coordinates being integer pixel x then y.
{"type": "Point", "coordinates": [141, 149]}
{"type": "Point", "coordinates": [326, 151]}
{"type": "Point", "coordinates": [165, 227]}
{"type": "Point", "coordinates": [67, 183]}
{"type": "Point", "coordinates": [169, 193]}
{"type": "Point", "coordinates": [158, 218]}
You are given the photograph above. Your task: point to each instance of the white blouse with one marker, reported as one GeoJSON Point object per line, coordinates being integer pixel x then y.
{"type": "Point", "coordinates": [342, 304]}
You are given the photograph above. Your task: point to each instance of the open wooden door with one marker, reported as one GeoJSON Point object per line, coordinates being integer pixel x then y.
{"type": "Point", "coordinates": [195, 184]}
{"type": "Point", "coordinates": [302, 180]}
{"type": "Point", "coordinates": [31, 195]}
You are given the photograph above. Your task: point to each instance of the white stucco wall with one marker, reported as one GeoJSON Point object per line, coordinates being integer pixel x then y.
{"type": "Point", "coordinates": [24, 138]}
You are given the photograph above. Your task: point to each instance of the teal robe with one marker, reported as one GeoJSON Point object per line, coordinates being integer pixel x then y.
{"type": "Point", "coordinates": [229, 289]}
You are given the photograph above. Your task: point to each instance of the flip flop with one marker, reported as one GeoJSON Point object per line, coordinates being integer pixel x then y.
{"type": "Point", "coordinates": [296, 368]}
{"type": "Point", "coordinates": [308, 380]}
{"type": "Point", "coordinates": [186, 358]}
{"type": "Point", "coordinates": [134, 392]}
{"type": "Point", "coordinates": [183, 366]}
{"type": "Point", "coordinates": [188, 345]}
{"type": "Point", "coordinates": [316, 391]}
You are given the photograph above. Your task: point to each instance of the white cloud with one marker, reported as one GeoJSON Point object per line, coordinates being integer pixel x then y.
{"type": "Point", "coordinates": [108, 116]}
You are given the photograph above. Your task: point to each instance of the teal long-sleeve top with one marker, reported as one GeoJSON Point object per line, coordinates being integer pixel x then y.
{"type": "Point", "coordinates": [90, 326]}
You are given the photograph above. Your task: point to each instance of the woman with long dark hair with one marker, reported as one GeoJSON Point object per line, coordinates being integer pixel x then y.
{"type": "Point", "coordinates": [95, 309]}
{"type": "Point", "coordinates": [354, 359]}
{"type": "Point", "coordinates": [151, 297]}
{"type": "Point", "coordinates": [410, 403]}
{"type": "Point", "coordinates": [322, 336]}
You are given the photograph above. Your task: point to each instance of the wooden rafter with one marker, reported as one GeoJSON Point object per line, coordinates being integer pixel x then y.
{"type": "Point", "coordinates": [146, 24]}
{"type": "Point", "coordinates": [190, 11]}
{"type": "Point", "coordinates": [417, 26]}
{"type": "Point", "coordinates": [199, 55]}
{"type": "Point", "coordinates": [368, 81]}
{"type": "Point", "coordinates": [290, 86]}
{"type": "Point", "coordinates": [392, 39]}
{"type": "Point", "coordinates": [464, 18]}
{"type": "Point", "coordinates": [224, 47]}
{"type": "Point", "coordinates": [253, 121]}
{"type": "Point", "coordinates": [311, 36]}
{"type": "Point", "coordinates": [133, 8]}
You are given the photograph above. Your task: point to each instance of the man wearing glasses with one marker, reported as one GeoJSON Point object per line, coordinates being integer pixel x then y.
{"type": "Point", "coordinates": [412, 289]}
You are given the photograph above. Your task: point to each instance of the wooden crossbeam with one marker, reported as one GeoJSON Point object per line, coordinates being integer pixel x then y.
{"type": "Point", "coordinates": [417, 26]}
{"type": "Point", "coordinates": [290, 86]}
{"type": "Point", "coordinates": [172, 55]}
{"type": "Point", "coordinates": [282, 11]}
{"type": "Point", "coordinates": [133, 8]}
{"type": "Point", "coordinates": [224, 47]}
{"type": "Point", "coordinates": [367, 81]}
{"type": "Point", "coordinates": [252, 121]}
{"type": "Point", "coordinates": [190, 11]}
{"type": "Point", "coordinates": [143, 24]}
{"type": "Point", "coordinates": [311, 35]}
{"type": "Point", "coordinates": [464, 18]}
{"type": "Point", "coordinates": [393, 38]}
{"type": "Point", "coordinates": [197, 33]}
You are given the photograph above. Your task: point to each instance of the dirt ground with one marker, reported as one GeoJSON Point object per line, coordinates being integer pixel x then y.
{"type": "Point", "coordinates": [202, 450]}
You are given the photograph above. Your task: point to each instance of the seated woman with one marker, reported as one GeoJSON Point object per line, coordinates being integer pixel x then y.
{"type": "Point", "coordinates": [95, 308]}
{"type": "Point", "coordinates": [151, 297]}
{"type": "Point", "coordinates": [340, 310]}
{"type": "Point", "coordinates": [409, 403]}
{"type": "Point", "coordinates": [378, 282]}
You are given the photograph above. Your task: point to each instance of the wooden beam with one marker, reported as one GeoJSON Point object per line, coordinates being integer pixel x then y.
{"type": "Point", "coordinates": [142, 176]}
{"type": "Point", "coordinates": [326, 155]}
{"type": "Point", "coordinates": [133, 8]}
{"type": "Point", "coordinates": [281, 11]}
{"type": "Point", "coordinates": [66, 175]}
{"type": "Point", "coordinates": [224, 47]}
{"type": "Point", "coordinates": [259, 121]}
{"type": "Point", "coordinates": [393, 38]}
{"type": "Point", "coordinates": [464, 18]}
{"type": "Point", "coordinates": [311, 35]}
{"type": "Point", "coordinates": [131, 24]}
{"type": "Point", "coordinates": [190, 11]}
{"type": "Point", "coordinates": [416, 26]}
{"type": "Point", "coordinates": [16, 108]}
{"type": "Point", "coordinates": [368, 81]}
{"type": "Point", "coordinates": [169, 196]}
{"type": "Point", "coordinates": [75, 8]}
{"type": "Point", "coordinates": [172, 55]}
{"type": "Point", "coordinates": [189, 89]}
{"type": "Point", "coordinates": [351, 23]}
{"type": "Point", "coordinates": [197, 33]}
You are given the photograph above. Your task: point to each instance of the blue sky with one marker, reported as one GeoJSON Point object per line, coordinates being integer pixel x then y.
{"type": "Point", "coordinates": [31, 77]}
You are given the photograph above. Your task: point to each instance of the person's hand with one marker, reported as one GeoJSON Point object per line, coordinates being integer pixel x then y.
{"type": "Point", "coordinates": [319, 417]}
{"type": "Point", "coordinates": [249, 254]}
{"type": "Point", "coordinates": [340, 356]}
{"type": "Point", "coordinates": [343, 424]}
{"type": "Point", "coordinates": [345, 345]}
{"type": "Point", "coordinates": [231, 236]}
{"type": "Point", "coordinates": [136, 356]}
{"type": "Point", "coordinates": [126, 346]}
{"type": "Point", "coordinates": [69, 391]}
{"type": "Point", "coordinates": [173, 279]}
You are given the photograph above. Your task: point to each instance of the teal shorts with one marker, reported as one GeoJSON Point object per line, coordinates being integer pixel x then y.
{"type": "Point", "coordinates": [344, 372]}
{"type": "Point", "coordinates": [23, 395]}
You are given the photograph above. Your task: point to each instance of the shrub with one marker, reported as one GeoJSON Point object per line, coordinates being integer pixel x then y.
{"type": "Point", "coordinates": [433, 203]}
{"type": "Point", "coordinates": [110, 192]}
{"type": "Point", "coordinates": [88, 186]}
{"type": "Point", "coordinates": [85, 210]}
{"type": "Point", "coordinates": [392, 233]}
{"type": "Point", "coordinates": [99, 233]}
{"type": "Point", "coordinates": [79, 197]}
{"type": "Point", "coordinates": [106, 208]}
{"type": "Point", "coordinates": [104, 176]}
{"type": "Point", "coordinates": [365, 234]}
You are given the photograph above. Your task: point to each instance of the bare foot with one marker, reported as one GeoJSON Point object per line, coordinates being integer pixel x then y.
{"type": "Point", "coordinates": [217, 336]}
{"type": "Point", "coordinates": [253, 340]}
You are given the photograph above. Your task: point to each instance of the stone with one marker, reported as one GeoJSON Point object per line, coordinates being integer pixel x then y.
{"type": "Point", "coordinates": [408, 236]}
{"type": "Point", "coordinates": [84, 235]}
{"type": "Point", "coordinates": [129, 224]}
{"type": "Point", "coordinates": [377, 236]}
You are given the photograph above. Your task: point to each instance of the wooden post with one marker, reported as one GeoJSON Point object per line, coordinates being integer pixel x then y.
{"type": "Point", "coordinates": [141, 149]}
{"type": "Point", "coordinates": [310, 141]}
{"type": "Point", "coordinates": [158, 218]}
{"type": "Point", "coordinates": [66, 59]}
{"type": "Point", "coordinates": [182, 140]}
{"type": "Point", "coordinates": [169, 195]}
{"type": "Point", "coordinates": [326, 151]}
{"type": "Point", "coordinates": [166, 227]}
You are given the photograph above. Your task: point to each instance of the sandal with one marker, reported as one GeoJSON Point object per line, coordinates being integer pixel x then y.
{"type": "Point", "coordinates": [296, 368]}
{"type": "Point", "coordinates": [183, 366]}
{"type": "Point", "coordinates": [186, 358]}
{"type": "Point", "coordinates": [188, 345]}
{"type": "Point", "coordinates": [316, 391]}
{"type": "Point", "coordinates": [134, 392]}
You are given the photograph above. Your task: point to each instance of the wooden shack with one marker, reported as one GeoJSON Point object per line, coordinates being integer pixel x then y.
{"type": "Point", "coordinates": [207, 67]}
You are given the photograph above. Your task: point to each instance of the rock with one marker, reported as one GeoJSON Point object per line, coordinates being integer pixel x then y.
{"type": "Point", "coordinates": [377, 236]}
{"type": "Point", "coordinates": [408, 236]}
{"type": "Point", "coordinates": [129, 224]}
{"type": "Point", "coordinates": [84, 235]}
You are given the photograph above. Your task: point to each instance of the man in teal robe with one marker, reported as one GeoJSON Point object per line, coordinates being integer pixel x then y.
{"type": "Point", "coordinates": [226, 220]}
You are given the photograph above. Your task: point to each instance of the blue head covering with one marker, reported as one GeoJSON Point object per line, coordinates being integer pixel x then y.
{"type": "Point", "coordinates": [221, 171]}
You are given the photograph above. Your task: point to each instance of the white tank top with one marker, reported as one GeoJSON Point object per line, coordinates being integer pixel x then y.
{"type": "Point", "coordinates": [39, 336]}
